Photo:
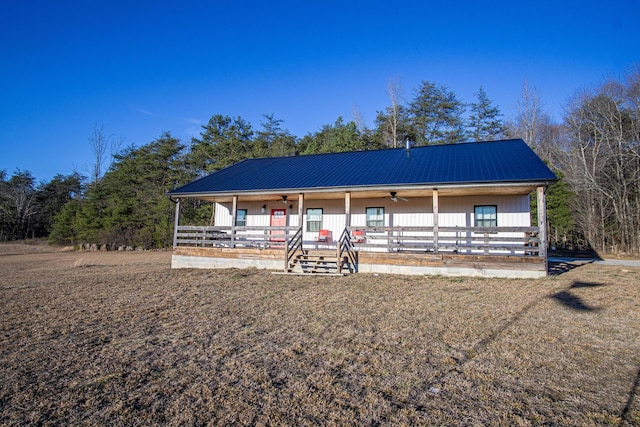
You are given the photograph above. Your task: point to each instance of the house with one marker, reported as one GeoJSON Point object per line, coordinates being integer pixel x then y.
{"type": "Point", "coordinates": [461, 209]}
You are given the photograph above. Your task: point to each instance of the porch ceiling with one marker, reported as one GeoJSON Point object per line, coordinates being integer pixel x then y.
{"type": "Point", "coordinates": [411, 192]}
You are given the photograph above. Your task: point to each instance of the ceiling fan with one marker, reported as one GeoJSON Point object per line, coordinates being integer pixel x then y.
{"type": "Point", "coordinates": [395, 197]}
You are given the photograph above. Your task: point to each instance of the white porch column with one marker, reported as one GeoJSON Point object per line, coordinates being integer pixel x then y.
{"type": "Point", "coordinates": [542, 223]}
{"type": "Point", "coordinates": [300, 209]}
{"type": "Point", "coordinates": [176, 222]}
{"type": "Point", "coordinates": [347, 209]}
{"type": "Point", "coordinates": [234, 210]}
{"type": "Point", "coordinates": [435, 219]}
{"type": "Point", "coordinates": [234, 216]}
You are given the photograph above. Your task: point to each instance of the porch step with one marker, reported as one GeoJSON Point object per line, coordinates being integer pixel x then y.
{"type": "Point", "coordinates": [313, 264]}
{"type": "Point", "coordinates": [298, 273]}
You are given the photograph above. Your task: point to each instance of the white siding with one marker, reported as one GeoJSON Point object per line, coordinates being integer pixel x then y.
{"type": "Point", "coordinates": [416, 212]}
{"type": "Point", "coordinates": [512, 211]}
{"type": "Point", "coordinates": [332, 219]}
{"type": "Point", "coordinates": [255, 217]}
{"type": "Point", "coordinates": [222, 216]}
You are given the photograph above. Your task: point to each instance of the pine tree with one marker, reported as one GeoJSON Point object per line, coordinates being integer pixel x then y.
{"type": "Point", "coordinates": [435, 115]}
{"type": "Point", "coordinates": [223, 142]}
{"type": "Point", "coordinates": [484, 122]}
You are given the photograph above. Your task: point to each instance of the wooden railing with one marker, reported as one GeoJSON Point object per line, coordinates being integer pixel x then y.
{"type": "Point", "coordinates": [293, 247]}
{"type": "Point", "coordinates": [515, 241]}
{"type": "Point", "coordinates": [232, 237]}
{"type": "Point", "coordinates": [347, 253]}
{"type": "Point", "coordinates": [461, 240]}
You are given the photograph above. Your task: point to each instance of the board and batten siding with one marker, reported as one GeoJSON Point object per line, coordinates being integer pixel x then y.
{"type": "Point", "coordinates": [332, 219]}
{"type": "Point", "coordinates": [255, 217]}
{"type": "Point", "coordinates": [513, 211]}
{"type": "Point", "coordinates": [416, 212]}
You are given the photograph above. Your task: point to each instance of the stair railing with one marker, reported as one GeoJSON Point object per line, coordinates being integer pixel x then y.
{"type": "Point", "coordinates": [346, 252]}
{"type": "Point", "coordinates": [293, 246]}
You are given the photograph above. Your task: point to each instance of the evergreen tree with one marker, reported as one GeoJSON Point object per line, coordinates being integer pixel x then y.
{"type": "Point", "coordinates": [435, 115]}
{"type": "Point", "coordinates": [64, 229]}
{"type": "Point", "coordinates": [53, 196]}
{"type": "Point", "coordinates": [273, 140]}
{"type": "Point", "coordinates": [561, 225]}
{"type": "Point", "coordinates": [137, 207]}
{"type": "Point", "coordinates": [334, 138]}
{"type": "Point", "coordinates": [484, 122]}
{"type": "Point", "coordinates": [223, 142]}
{"type": "Point", "coordinates": [128, 205]}
{"type": "Point", "coordinates": [393, 121]}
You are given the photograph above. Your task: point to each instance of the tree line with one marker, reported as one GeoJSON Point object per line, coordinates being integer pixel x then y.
{"type": "Point", "coordinates": [594, 151]}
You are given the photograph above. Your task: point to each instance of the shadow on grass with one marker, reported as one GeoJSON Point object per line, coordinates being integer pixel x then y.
{"type": "Point", "coordinates": [482, 345]}
{"type": "Point", "coordinates": [564, 297]}
{"type": "Point", "coordinates": [572, 301]}
{"type": "Point", "coordinates": [567, 299]}
{"type": "Point", "coordinates": [557, 268]}
{"type": "Point", "coordinates": [624, 416]}
{"type": "Point", "coordinates": [586, 285]}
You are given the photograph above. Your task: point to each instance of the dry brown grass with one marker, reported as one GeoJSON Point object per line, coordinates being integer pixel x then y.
{"type": "Point", "coordinates": [118, 338]}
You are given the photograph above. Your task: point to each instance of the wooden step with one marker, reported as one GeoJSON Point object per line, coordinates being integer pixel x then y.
{"type": "Point", "coordinates": [298, 273]}
{"type": "Point", "coordinates": [306, 263]}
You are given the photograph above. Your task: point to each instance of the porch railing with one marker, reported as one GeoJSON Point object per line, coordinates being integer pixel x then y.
{"type": "Point", "coordinates": [461, 240]}
{"type": "Point", "coordinates": [515, 241]}
{"type": "Point", "coordinates": [232, 237]}
{"type": "Point", "coordinates": [347, 253]}
{"type": "Point", "coordinates": [294, 247]}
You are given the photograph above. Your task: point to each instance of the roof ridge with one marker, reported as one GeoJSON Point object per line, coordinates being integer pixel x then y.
{"type": "Point", "coordinates": [453, 144]}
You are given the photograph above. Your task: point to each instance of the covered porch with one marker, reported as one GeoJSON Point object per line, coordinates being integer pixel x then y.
{"type": "Point", "coordinates": [437, 244]}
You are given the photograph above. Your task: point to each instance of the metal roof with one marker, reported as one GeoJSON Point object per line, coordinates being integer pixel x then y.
{"type": "Point", "coordinates": [507, 161]}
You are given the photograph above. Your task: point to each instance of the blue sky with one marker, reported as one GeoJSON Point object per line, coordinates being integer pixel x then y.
{"type": "Point", "coordinates": [140, 68]}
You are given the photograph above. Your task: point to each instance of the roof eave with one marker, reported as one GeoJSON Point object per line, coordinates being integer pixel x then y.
{"type": "Point", "coordinates": [389, 187]}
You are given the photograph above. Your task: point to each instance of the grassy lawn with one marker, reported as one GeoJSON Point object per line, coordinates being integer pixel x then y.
{"type": "Point", "coordinates": [119, 338]}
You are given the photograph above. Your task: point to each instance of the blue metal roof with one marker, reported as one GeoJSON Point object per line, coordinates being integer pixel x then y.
{"type": "Point", "coordinates": [509, 161]}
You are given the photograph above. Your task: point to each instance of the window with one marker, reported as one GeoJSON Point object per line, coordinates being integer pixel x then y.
{"type": "Point", "coordinates": [486, 216]}
{"type": "Point", "coordinates": [375, 217]}
{"type": "Point", "coordinates": [314, 219]}
{"type": "Point", "coordinates": [241, 218]}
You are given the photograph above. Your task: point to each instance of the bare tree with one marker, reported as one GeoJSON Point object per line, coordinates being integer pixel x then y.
{"type": "Point", "coordinates": [394, 90]}
{"type": "Point", "coordinates": [99, 144]}
{"type": "Point", "coordinates": [103, 147]}
{"type": "Point", "coordinates": [18, 206]}
{"type": "Point", "coordinates": [582, 164]}
{"type": "Point", "coordinates": [534, 125]}
{"type": "Point", "coordinates": [358, 119]}
{"type": "Point", "coordinates": [529, 115]}
{"type": "Point", "coordinates": [603, 163]}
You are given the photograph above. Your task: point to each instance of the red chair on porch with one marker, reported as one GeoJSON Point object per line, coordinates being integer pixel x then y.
{"type": "Point", "coordinates": [357, 236]}
{"type": "Point", "coordinates": [324, 236]}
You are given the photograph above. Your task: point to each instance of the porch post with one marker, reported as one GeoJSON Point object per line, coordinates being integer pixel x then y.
{"type": "Point", "coordinates": [542, 223]}
{"type": "Point", "coordinates": [435, 220]}
{"type": "Point", "coordinates": [300, 209]}
{"type": "Point", "coordinates": [347, 209]}
{"type": "Point", "coordinates": [176, 222]}
{"type": "Point", "coordinates": [234, 215]}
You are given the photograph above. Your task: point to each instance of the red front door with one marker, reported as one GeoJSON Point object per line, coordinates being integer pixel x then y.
{"type": "Point", "coordinates": [278, 219]}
